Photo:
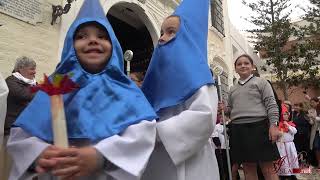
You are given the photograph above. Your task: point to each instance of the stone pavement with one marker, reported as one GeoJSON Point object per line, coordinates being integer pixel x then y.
{"type": "Point", "coordinates": [315, 175]}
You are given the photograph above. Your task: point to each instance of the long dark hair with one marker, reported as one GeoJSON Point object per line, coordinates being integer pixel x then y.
{"type": "Point", "coordinates": [278, 101]}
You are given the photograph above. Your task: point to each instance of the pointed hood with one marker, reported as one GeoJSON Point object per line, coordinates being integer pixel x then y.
{"type": "Point", "coordinates": [91, 11]}
{"type": "Point", "coordinates": [105, 104]}
{"type": "Point", "coordinates": [179, 67]}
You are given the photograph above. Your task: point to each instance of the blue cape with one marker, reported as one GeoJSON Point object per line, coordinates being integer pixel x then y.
{"type": "Point", "coordinates": [179, 67]}
{"type": "Point", "coordinates": [105, 104]}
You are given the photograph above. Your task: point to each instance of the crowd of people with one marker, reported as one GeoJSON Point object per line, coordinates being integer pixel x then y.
{"type": "Point", "coordinates": [269, 138]}
{"type": "Point", "coordinates": [115, 129]}
{"type": "Point", "coordinates": [165, 124]}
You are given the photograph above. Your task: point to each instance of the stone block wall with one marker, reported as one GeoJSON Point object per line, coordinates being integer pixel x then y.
{"type": "Point", "coordinates": [39, 41]}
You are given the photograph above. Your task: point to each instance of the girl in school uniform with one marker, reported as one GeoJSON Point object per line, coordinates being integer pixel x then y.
{"type": "Point", "coordinates": [254, 114]}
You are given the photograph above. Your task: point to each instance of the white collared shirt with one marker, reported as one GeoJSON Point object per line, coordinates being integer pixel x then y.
{"type": "Point", "coordinates": [242, 82]}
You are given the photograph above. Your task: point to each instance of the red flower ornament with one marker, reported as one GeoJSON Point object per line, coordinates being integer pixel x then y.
{"type": "Point", "coordinates": [61, 84]}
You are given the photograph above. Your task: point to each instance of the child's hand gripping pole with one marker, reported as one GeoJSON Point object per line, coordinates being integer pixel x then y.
{"type": "Point", "coordinates": [61, 84]}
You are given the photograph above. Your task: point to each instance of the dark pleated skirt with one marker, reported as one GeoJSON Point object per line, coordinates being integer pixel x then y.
{"type": "Point", "coordinates": [250, 143]}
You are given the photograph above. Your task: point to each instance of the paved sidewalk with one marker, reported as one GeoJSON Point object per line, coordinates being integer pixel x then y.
{"type": "Point", "coordinates": [315, 175]}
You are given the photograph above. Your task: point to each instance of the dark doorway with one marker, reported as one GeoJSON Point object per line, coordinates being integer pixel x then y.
{"type": "Point", "coordinates": [133, 35]}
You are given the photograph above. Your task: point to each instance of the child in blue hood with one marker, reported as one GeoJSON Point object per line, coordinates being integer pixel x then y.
{"type": "Point", "coordinates": [179, 86]}
{"type": "Point", "coordinates": [110, 123]}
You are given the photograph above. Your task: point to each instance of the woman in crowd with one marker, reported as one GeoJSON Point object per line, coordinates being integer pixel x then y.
{"type": "Point", "coordinates": [314, 136]}
{"type": "Point", "coordinates": [19, 83]}
{"type": "Point", "coordinates": [303, 126]}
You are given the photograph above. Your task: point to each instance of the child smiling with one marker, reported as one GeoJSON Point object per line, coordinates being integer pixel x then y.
{"type": "Point", "coordinates": [110, 124]}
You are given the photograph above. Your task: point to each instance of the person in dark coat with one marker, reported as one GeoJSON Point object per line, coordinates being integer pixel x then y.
{"type": "Point", "coordinates": [303, 125]}
{"type": "Point", "coordinates": [20, 95]}
{"type": "Point", "coordinates": [19, 83]}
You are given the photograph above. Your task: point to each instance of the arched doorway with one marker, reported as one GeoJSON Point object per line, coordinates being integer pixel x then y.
{"type": "Point", "coordinates": [132, 33]}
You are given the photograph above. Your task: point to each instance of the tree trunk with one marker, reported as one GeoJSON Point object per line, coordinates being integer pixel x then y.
{"type": "Point", "coordinates": [284, 87]}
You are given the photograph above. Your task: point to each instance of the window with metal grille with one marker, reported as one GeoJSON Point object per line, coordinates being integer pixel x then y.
{"type": "Point", "coordinates": [224, 86]}
{"type": "Point", "coordinates": [217, 15]}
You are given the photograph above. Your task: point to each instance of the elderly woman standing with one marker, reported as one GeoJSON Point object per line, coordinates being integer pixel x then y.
{"type": "Point", "coordinates": [19, 89]}
{"type": "Point", "coordinates": [19, 96]}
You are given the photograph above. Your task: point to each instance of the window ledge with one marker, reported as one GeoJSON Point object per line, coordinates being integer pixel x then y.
{"type": "Point", "coordinates": [211, 28]}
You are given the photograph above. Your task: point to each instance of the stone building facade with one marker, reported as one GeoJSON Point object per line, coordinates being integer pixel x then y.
{"type": "Point", "coordinates": [136, 23]}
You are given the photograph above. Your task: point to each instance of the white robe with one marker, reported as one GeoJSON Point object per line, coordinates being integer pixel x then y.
{"type": "Point", "coordinates": [3, 106]}
{"type": "Point", "coordinates": [129, 151]}
{"type": "Point", "coordinates": [288, 153]}
{"type": "Point", "coordinates": [218, 132]}
{"type": "Point", "coordinates": [183, 151]}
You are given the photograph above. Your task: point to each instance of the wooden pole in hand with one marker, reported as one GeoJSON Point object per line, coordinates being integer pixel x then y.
{"type": "Point", "coordinates": [59, 128]}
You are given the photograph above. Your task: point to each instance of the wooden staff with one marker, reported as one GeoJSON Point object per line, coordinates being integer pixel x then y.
{"type": "Point", "coordinates": [218, 70]}
{"type": "Point", "coordinates": [59, 128]}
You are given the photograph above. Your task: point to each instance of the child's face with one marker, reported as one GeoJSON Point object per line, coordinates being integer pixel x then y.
{"type": "Point", "coordinates": [286, 116]}
{"type": "Point", "coordinates": [287, 105]}
{"type": "Point", "coordinates": [244, 67]}
{"type": "Point", "coordinates": [296, 107]}
{"type": "Point", "coordinates": [93, 47]}
{"type": "Point", "coordinates": [313, 103]}
{"type": "Point", "coordinates": [169, 29]}
{"type": "Point", "coordinates": [134, 77]}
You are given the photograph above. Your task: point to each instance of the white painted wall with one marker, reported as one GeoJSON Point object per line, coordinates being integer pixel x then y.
{"type": "Point", "coordinates": [236, 44]}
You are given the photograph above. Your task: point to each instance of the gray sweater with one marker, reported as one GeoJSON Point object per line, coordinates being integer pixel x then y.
{"type": "Point", "coordinates": [252, 102]}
